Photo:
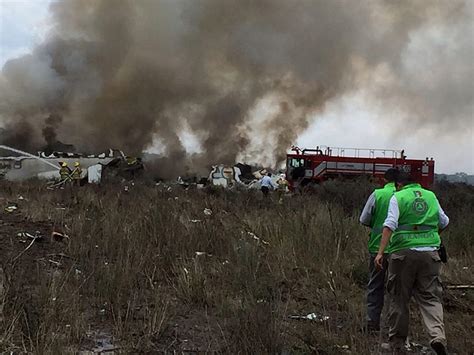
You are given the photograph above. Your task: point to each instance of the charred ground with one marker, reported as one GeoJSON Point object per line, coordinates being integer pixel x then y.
{"type": "Point", "coordinates": [147, 270]}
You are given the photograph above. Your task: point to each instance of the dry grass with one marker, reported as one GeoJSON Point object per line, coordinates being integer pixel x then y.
{"type": "Point", "coordinates": [149, 268]}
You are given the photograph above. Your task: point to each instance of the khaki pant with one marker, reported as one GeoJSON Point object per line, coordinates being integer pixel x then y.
{"type": "Point", "coordinates": [415, 273]}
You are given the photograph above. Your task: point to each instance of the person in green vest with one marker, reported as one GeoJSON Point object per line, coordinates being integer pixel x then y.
{"type": "Point", "coordinates": [412, 234]}
{"type": "Point", "coordinates": [373, 215]}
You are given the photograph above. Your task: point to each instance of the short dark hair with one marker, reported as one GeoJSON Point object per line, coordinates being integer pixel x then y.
{"type": "Point", "coordinates": [391, 175]}
{"type": "Point", "coordinates": [405, 178]}
{"type": "Point", "coordinates": [269, 174]}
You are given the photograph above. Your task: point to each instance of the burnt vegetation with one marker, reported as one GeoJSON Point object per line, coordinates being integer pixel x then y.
{"type": "Point", "coordinates": [154, 272]}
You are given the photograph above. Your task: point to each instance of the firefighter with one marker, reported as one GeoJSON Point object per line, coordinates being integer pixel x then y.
{"type": "Point", "coordinates": [282, 188]}
{"type": "Point", "coordinates": [412, 233]}
{"type": "Point", "coordinates": [373, 215]}
{"type": "Point", "coordinates": [64, 172]}
{"type": "Point", "coordinates": [131, 160]}
{"type": "Point", "coordinates": [77, 173]}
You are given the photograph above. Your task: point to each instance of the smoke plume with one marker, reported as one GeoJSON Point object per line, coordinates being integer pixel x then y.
{"type": "Point", "coordinates": [135, 74]}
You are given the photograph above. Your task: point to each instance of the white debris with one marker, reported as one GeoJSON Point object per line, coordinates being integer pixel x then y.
{"type": "Point", "coordinates": [94, 174]}
{"type": "Point", "coordinates": [36, 236]}
{"type": "Point", "coordinates": [260, 240]}
{"type": "Point", "coordinates": [311, 317]}
{"type": "Point", "coordinates": [202, 253]}
{"type": "Point", "coordinates": [195, 220]}
{"type": "Point", "coordinates": [11, 208]}
{"type": "Point", "coordinates": [207, 212]}
{"type": "Point", "coordinates": [21, 198]}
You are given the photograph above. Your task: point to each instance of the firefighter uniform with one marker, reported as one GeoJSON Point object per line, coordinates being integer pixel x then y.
{"type": "Point", "coordinates": [415, 217]}
{"type": "Point", "coordinates": [77, 173]}
{"type": "Point", "coordinates": [282, 188]}
{"type": "Point", "coordinates": [374, 215]}
{"type": "Point", "coordinates": [64, 172]}
{"type": "Point", "coordinates": [131, 160]}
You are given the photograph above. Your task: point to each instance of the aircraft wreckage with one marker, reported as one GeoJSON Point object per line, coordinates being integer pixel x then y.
{"type": "Point", "coordinates": [20, 165]}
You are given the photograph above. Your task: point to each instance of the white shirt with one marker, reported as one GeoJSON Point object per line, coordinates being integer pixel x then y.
{"type": "Point", "coordinates": [366, 215]}
{"type": "Point", "coordinates": [394, 213]}
{"type": "Point", "coordinates": [266, 181]}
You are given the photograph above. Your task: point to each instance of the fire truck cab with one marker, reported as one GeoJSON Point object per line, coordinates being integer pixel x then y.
{"type": "Point", "coordinates": [313, 166]}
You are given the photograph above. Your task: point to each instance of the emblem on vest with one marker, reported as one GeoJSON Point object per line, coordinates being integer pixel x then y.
{"type": "Point", "coordinates": [419, 206]}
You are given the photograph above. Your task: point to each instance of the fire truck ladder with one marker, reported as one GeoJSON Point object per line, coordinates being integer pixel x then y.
{"type": "Point", "coordinates": [362, 152]}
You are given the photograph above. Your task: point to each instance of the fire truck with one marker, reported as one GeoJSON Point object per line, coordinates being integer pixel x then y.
{"type": "Point", "coordinates": [306, 167]}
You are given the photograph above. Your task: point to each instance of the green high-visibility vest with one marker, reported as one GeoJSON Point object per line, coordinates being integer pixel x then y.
{"type": "Point", "coordinates": [418, 221]}
{"type": "Point", "coordinates": [382, 201]}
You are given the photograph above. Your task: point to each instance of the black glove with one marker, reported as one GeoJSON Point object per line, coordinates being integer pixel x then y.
{"type": "Point", "coordinates": [443, 254]}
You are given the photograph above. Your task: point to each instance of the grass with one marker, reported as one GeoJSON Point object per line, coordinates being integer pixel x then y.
{"type": "Point", "coordinates": [149, 268]}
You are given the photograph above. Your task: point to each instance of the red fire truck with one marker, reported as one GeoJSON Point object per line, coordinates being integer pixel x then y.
{"type": "Point", "coordinates": [305, 167]}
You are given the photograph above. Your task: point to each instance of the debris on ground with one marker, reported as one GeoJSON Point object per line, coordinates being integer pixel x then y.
{"type": "Point", "coordinates": [258, 239]}
{"type": "Point", "coordinates": [311, 317]}
{"type": "Point", "coordinates": [26, 235]}
{"type": "Point", "coordinates": [202, 253]}
{"type": "Point", "coordinates": [11, 208]}
{"type": "Point", "coordinates": [207, 212]}
{"type": "Point", "coordinates": [102, 343]}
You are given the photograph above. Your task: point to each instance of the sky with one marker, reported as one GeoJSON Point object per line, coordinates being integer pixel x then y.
{"type": "Point", "coordinates": [348, 121]}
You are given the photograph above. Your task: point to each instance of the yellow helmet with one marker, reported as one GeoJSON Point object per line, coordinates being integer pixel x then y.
{"type": "Point", "coordinates": [63, 164]}
{"type": "Point", "coordinates": [77, 163]}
